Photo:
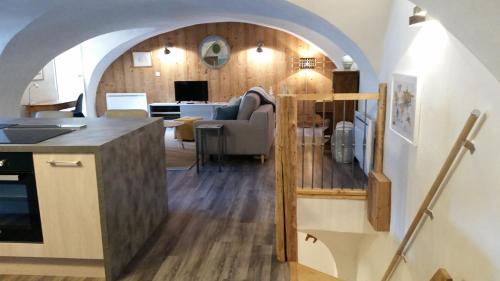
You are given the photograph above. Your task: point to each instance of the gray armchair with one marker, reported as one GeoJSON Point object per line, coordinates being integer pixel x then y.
{"type": "Point", "coordinates": [245, 137]}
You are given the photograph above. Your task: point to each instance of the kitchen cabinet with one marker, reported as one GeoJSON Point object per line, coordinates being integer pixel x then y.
{"type": "Point", "coordinates": [69, 207]}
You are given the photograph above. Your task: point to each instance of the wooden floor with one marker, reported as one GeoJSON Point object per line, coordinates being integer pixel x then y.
{"type": "Point", "coordinates": [300, 272]}
{"type": "Point", "coordinates": [220, 227]}
{"type": "Point", "coordinates": [318, 169]}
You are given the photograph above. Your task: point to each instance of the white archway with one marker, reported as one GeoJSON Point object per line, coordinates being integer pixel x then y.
{"type": "Point", "coordinates": [72, 22]}
{"type": "Point", "coordinates": [115, 44]}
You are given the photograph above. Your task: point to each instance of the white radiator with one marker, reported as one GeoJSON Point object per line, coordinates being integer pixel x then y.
{"type": "Point", "coordinates": [364, 127]}
{"type": "Point", "coordinates": [127, 101]}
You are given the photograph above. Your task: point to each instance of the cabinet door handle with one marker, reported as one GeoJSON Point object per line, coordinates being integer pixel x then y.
{"type": "Point", "coordinates": [9, 177]}
{"type": "Point", "coordinates": [55, 163]}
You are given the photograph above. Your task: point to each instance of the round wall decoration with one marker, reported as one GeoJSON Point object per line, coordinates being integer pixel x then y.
{"type": "Point", "coordinates": [214, 51]}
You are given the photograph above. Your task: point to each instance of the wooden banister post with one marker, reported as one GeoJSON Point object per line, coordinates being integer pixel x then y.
{"type": "Point", "coordinates": [378, 165]}
{"type": "Point", "coordinates": [286, 171]}
{"type": "Point", "coordinates": [379, 186]}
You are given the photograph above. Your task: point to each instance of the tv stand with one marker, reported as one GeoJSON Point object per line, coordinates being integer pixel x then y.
{"type": "Point", "coordinates": [174, 110]}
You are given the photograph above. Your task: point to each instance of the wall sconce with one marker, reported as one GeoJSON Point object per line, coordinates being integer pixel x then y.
{"type": "Point", "coordinates": [167, 51]}
{"type": "Point", "coordinates": [260, 44]}
{"type": "Point", "coordinates": [307, 63]}
{"type": "Point", "coordinates": [419, 16]}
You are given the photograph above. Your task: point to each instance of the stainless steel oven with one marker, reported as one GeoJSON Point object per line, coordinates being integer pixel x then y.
{"type": "Point", "coordinates": [19, 212]}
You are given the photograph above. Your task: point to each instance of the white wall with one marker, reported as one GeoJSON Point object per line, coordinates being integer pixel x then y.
{"type": "Point", "coordinates": [371, 21]}
{"type": "Point", "coordinates": [464, 236]}
{"type": "Point", "coordinates": [99, 52]}
{"type": "Point", "coordinates": [69, 73]}
{"type": "Point", "coordinates": [44, 90]}
{"type": "Point", "coordinates": [344, 215]}
{"type": "Point", "coordinates": [316, 254]}
{"type": "Point", "coordinates": [83, 20]}
{"type": "Point", "coordinates": [62, 80]}
{"type": "Point", "coordinates": [475, 23]}
{"type": "Point", "coordinates": [341, 252]}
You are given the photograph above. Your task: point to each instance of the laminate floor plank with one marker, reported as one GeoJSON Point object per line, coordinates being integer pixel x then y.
{"type": "Point", "coordinates": [220, 227]}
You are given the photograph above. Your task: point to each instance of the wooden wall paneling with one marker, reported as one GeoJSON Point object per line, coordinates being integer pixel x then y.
{"type": "Point", "coordinates": [250, 77]}
{"type": "Point", "coordinates": [240, 56]}
{"type": "Point", "coordinates": [147, 79]}
{"type": "Point", "coordinates": [280, 55]}
{"type": "Point", "coordinates": [128, 72]}
{"type": "Point", "coordinates": [244, 69]}
{"type": "Point", "coordinates": [226, 78]}
{"type": "Point", "coordinates": [159, 87]}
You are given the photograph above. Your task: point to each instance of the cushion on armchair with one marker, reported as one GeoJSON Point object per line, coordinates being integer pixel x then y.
{"type": "Point", "coordinates": [249, 104]}
{"type": "Point", "coordinates": [228, 112]}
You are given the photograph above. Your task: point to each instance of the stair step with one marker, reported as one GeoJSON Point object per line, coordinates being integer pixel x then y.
{"type": "Point", "coordinates": [299, 272]}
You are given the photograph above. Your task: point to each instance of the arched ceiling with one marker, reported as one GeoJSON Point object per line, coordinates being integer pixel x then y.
{"type": "Point", "coordinates": [476, 23]}
{"type": "Point", "coordinates": [34, 32]}
{"type": "Point", "coordinates": [110, 46]}
{"type": "Point", "coordinates": [50, 27]}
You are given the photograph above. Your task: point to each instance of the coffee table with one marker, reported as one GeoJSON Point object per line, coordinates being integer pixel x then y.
{"type": "Point", "coordinates": [172, 124]}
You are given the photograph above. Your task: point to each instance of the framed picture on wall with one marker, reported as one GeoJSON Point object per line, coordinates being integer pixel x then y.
{"type": "Point", "coordinates": [405, 107]}
{"type": "Point", "coordinates": [38, 76]}
{"type": "Point", "coordinates": [142, 59]}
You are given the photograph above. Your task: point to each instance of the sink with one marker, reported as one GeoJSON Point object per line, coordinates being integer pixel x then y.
{"type": "Point", "coordinates": [30, 135]}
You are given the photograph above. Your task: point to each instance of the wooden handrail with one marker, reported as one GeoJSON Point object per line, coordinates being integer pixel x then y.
{"type": "Point", "coordinates": [337, 97]}
{"type": "Point", "coordinates": [452, 156]}
{"type": "Point", "coordinates": [332, 193]}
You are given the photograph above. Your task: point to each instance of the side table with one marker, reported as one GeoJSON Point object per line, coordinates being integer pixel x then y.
{"type": "Point", "coordinates": [201, 132]}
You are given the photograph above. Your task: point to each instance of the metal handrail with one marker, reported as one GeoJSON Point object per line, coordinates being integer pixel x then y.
{"type": "Point", "coordinates": [460, 143]}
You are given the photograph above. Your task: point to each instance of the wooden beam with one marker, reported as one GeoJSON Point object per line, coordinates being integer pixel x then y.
{"type": "Point", "coordinates": [379, 186]}
{"type": "Point", "coordinates": [286, 172]}
{"type": "Point", "coordinates": [338, 96]}
{"type": "Point", "coordinates": [380, 129]}
{"type": "Point", "coordinates": [332, 193]}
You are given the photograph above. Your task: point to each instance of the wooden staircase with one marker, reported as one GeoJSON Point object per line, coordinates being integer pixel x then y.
{"type": "Point", "coordinates": [441, 275]}
{"type": "Point", "coordinates": [299, 272]}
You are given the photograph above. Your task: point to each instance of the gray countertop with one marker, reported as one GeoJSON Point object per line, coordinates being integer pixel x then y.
{"type": "Point", "coordinates": [99, 131]}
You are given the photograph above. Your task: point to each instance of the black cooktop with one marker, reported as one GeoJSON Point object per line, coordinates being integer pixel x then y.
{"type": "Point", "coordinates": [10, 134]}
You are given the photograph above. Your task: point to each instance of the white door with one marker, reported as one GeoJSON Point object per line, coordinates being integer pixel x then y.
{"type": "Point", "coordinates": [69, 74]}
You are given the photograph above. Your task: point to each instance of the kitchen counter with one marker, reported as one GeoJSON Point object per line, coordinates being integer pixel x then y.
{"type": "Point", "coordinates": [96, 215]}
{"type": "Point", "coordinates": [99, 132]}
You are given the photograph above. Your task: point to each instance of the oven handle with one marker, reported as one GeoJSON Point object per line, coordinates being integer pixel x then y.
{"type": "Point", "coordinates": [55, 163]}
{"type": "Point", "coordinates": [9, 177]}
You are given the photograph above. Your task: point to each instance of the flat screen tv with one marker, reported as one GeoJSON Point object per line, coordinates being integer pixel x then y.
{"type": "Point", "coordinates": [191, 90]}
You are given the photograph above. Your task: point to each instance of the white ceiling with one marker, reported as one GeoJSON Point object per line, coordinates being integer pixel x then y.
{"type": "Point", "coordinates": [34, 32]}
{"type": "Point", "coordinates": [476, 23]}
